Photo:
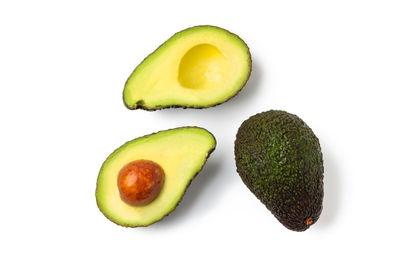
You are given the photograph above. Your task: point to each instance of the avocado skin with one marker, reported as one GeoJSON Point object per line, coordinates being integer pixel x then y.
{"type": "Point", "coordinates": [279, 159]}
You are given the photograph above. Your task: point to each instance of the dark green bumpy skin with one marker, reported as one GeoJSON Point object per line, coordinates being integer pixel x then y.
{"type": "Point", "coordinates": [279, 159]}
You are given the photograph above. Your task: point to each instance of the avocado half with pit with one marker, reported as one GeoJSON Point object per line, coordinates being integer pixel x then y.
{"type": "Point", "coordinates": [144, 180]}
{"type": "Point", "coordinates": [199, 67]}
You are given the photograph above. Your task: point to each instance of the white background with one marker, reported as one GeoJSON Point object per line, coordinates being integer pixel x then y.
{"type": "Point", "coordinates": [63, 66]}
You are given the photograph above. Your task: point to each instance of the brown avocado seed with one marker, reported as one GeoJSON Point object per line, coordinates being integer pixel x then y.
{"type": "Point", "coordinates": [140, 182]}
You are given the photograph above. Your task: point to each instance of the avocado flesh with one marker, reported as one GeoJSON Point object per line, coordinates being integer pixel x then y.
{"type": "Point", "coordinates": [181, 152]}
{"type": "Point", "coordinates": [196, 68]}
{"type": "Point", "coordinates": [279, 159]}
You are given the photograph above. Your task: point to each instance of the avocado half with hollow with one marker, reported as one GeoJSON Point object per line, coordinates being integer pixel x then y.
{"type": "Point", "coordinates": [199, 67]}
{"type": "Point", "coordinates": [144, 180]}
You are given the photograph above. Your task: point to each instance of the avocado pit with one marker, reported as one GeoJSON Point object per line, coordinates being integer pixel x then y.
{"type": "Point", "coordinates": [140, 182]}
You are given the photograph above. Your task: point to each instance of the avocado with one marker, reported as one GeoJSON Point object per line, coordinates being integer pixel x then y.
{"type": "Point", "coordinates": [199, 67]}
{"type": "Point", "coordinates": [279, 159]}
{"type": "Point", "coordinates": [175, 156]}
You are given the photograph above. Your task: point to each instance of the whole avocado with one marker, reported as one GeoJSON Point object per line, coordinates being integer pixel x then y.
{"type": "Point", "coordinates": [279, 159]}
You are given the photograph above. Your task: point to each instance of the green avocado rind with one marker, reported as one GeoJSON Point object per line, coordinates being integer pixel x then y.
{"type": "Point", "coordinates": [279, 158]}
{"type": "Point", "coordinates": [139, 139]}
{"type": "Point", "coordinates": [140, 104]}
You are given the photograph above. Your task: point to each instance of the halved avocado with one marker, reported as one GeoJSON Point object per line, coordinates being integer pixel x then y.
{"type": "Point", "coordinates": [180, 152]}
{"type": "Point", "coordinates": [199, 67]}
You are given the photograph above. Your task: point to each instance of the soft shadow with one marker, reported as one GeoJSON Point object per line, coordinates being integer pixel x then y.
{"type": "Point", "coordinates": [199, 186]}
{"type": "Point", "coordinates": [332, 191]}
{"type": "Point", "coordinates": [252, 87]}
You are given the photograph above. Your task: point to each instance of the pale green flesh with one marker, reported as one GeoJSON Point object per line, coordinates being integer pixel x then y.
{"type": "Point", "coordinates": [197, 67]}
{"type": "Point", "coordinates": [181, 152]}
